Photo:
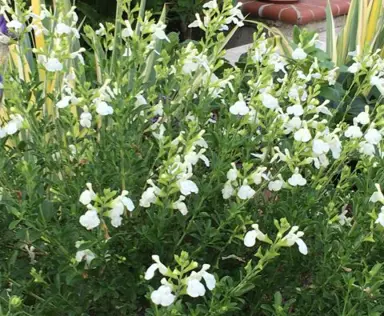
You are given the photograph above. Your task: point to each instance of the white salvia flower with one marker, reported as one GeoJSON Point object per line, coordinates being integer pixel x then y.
{"type": "Point", "coordinates": [158, 31]}
{"type": "Point", "coordinates": [320, 147]}
{"type": "Point", "coordinates": [210, 5]}
{"type": "Point", "coordinates": [303, 135]}
{"type": "Point", "coordinates": [380, 218]}
{"type": "Point", "coordinates": [343, 219]}
{"type": "Point", "coordinates": [292, 125]}
{"type": "Point", "coordinates": [53, 65]}
{"type": "Point", "coordinates": [187, 187]}
{"type": "Point", "coordinates": [163, 296]}
{"type": "Point", "coordinates": [275, 185]}
{"type": "Point", "coordinates": [240, 107]}
{"type": "Point", "coordinates": [353, 132]}
{"type": "Point", "coordinates": [64, 102]}
{"type": "Point", "coordinates": [367, 148]}
{"type": "Point", "coordinates": [354, 68]}
{"type": "Point", "coordinates": [150, 273]}
{"type": "Point", "coordinates": [259, 175]}
{"type": "Point", "coordinates": [102, 108]}
{"type": "Point", "coordinates": [101, 31]}
{"type": "Point", "coordinates": [299, 54]}
{"type": "Point", "coordinates": [13, 126]}
{"type": "Point", "coordinates": [90, 219]}
{"type": "Point", "coordinates": [245, 192]}
{"type": "Point", "coordinates": [87, 196]}
{"type": "Point", "coordinates": [232, 173]}
{"type": "Point", "coordinates": [180, 205]}
{"type": "Point", "coordinates": [269, 101]}
{"type": "Point", "coordinates": [127, 32]}
{"type": "Point", "coordinates": [296, 110]}
{"type": "Point", "coordinates": [197, 22]}
{"type": "Point", "coordinates": [192, 157]}
{"type": "Point", "coordinates": [227, 191]}
{"type": "Point", "coordinates": [297, 179]}
{"type": "Point", "coordinates": [85, 255]}
{"type": "Point", "coordinates": [194, 286]}
{"type": "Point", "coordinates": [373, 136]}
{"type": "Point", "coordinates": [251, 236]}
{"type": "Point", "coordinates": [62, 28]}
{"type": "Point", "coordinates": [118, 206]}
{"type": "Point", "coordinates": [149, 196]}
{"type": "Point", "coordinates": [15, 24]}
{"type": "Point", "coordinates": [363, 118]}
{"type": "Point", "coordinates": [335, 146]}
{"type": "Point", "coordinates": [377, 196]}
{"type": "Point", "coordinates": [140, 100]}
{"type": "Point", "coordinates": [86, 118]}
{"type": "Point", "coordinates": [294, 237]}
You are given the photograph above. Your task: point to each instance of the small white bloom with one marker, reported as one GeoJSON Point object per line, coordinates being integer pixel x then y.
{"type": "Point", "coordinates": [367, 148]}
{"type": "Point", "coordinates": [85, 255]}
{"type": "Point", "coordinates": [343, 219]}
{"type": "Point", "coordinates": [158, 31]}
{"type": "Point", "coordinates": [377, 196]}
{"type": "Point", "coordinates": [240, 107]}
{"type": "Point", "coordinates": [210, 5]}
{"type": "Point", "coordinates": [232, 173]}
{"type": "Point", "coordinates": [90, 219]}
{"type": "Point", "coordinates": [297, 179]}
{"type": "Point", "coordinates": [354, 68]}
{"type": "Point", "coordinates": [15, 24]}
{"type": "Point", "coordinates": [227, 191]}
{"type": "Point", "coordinates": [195, 288]}
{"type": "Point", "coordinates": [62, 28]}
{"type": "Point", "coordinates": [303, 135]}
{"type": "Point", "coordinates": [64, 102]}
{"type": "Point", "coordinates": [149, 196]}
{"type": "Point", "coordinates": [380, 218]}
{"type": "Point", "coordinates": [296, 110]}
{"type": "Point", "coordinates": [299, 54]}
{"type": "Point", "coordinates": [187, 187]}
{"type": "Point", "coordinates": [103, 108]}
{"type": "Point", "coordinates": [251, 236]}
{"type": "Point", "coordinates": [180, 205]}
{"type": "Point", "coordinates": [245, 192]}
{"type": "Point", "coordinates": [127, 31]}
{"type": "Point", "coordinates": [87, 196]}
{"type": "Point", "coordinates": [163, 296]}
{"type": "Point", "coordinates": [150, 273]}
{"type": "Point", "coordinates": [320, 147]}
{"type": "Point", "coordinates": [363, 118]}
{"type": "Point", "coordinates": [353, 132]}
{"type": "Point", "coordinates": [86, 118]}
{"type": "Point", "coordinates": [269, 101]}
{"type": "Point", "coordinates": [373, 136]}
{"type": "Point", "coordinates": [53, 65]}
{"type": "Point", "coordinates": [275, 185]}
{"type": "Point", "coordinates": [294, 237]}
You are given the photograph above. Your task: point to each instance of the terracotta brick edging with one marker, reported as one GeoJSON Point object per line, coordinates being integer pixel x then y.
{"type": "Point", "coordinates": [300, 13]}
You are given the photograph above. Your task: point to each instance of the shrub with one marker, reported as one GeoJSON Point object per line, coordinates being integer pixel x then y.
{"type": "Point", "coordinates": [147, 176]}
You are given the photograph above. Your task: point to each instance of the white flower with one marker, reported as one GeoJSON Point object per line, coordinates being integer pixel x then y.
{"type": "Point", "coordinates": [353, 132]}
{"type": "Point", "coordinates": [187, 187]}
{"type": "Point", "coordinates": [118, 206]}
{"type": "Point", "coordinates": [297, 179]}
{"type": "Point", "coordinates": [13, 125]}
{"type": "Point", "coordinates": [380, 218]}
{"type": "Point", "coordinates": [101, 31]}
{"type": "Point", "coordinates": [296, 110]}
{"type": "Point", "coordinates": [320, 147]}
{"type": "Point", "coordinates": [251, 236]}
{"type": "Point", "coordinates": [363, 118]}
{"type": "Point", "coordinates": [15, 24]}
{"type": "Point", "coordinates": [377, 196]}
{"type": "Point", "coordinates": [64, 102]}
{"type": "Point", "coordinates": [354, 68]}
{"type": "Point", "coordinates": [293, 237]}
{"type": "Point", "coordinates": [90, 219]}
{"type": "Point", "coordinates": [150, 273]}
{"type": "Point", "coordinates": [197, 22]}
{"type": "Point", "coordinates": [62, 28]}
{"type": "Point", "coordinates": [259, 175]}
{"type": "Point", "coordinates": [53, 65]}
{"type": "Point", "coordinates": [269, 101]}
{"type": "Point", "coordinates": [227, 191]}
{"type": "Point", "coordinates": [86, 255]}
{"type": "Point", "coordinates": [343, 219]}
{"type": "Point", "coordinates": [367, 148]}
{"type": "Point", "coordinates": [245, 192]}
{"type": "Point", "coordinates": [240, 107]}
{"type": "Point", "coordinates": [87, 196]}
{"type": "Point", "coordinates": [149, 196]}
{"type": "Point", "coordinates": [275, 185]}
{"type": "Point", "coordinates": [299, 54]}
{"type": "Point", "coordinates": [86, 118]}
{"type": "Point", "coordinates": [127, 32]}
{"type": "Point", "coordinates": [303, 135]}
{"type": "Point", "coordinates": [163, 296]}
{"type": "Point", "coordinates": [232, 173]}
{"type": "Point", "coordinates": [180, 205]}
{"type": "Point", "coordinates": [103, 108]}
{"type": "Point", "coordinates": [194, 287]}
{"type": "Point", "coordinates": [335, 146]}
{"type": "Point", "coordinates": [210, 5]}
{"type": "Point", "coordinates": [158, 31]}
{"type": "Point", "coordinates": [373, 136]}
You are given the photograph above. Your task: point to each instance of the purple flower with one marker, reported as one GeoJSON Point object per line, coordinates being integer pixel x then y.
{"type": "Point", "coordinates": [3, 25]}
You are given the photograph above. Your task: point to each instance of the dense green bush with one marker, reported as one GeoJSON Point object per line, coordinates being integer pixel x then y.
{"type": "Point", "coordinates": [148, 177]}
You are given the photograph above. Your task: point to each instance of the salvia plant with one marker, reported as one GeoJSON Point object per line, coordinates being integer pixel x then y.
{"type": "Point", "coordinates": [144, 176]}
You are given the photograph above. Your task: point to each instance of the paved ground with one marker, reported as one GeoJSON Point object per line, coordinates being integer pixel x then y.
{"type": "Point", "coordinates": [243, 38]}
